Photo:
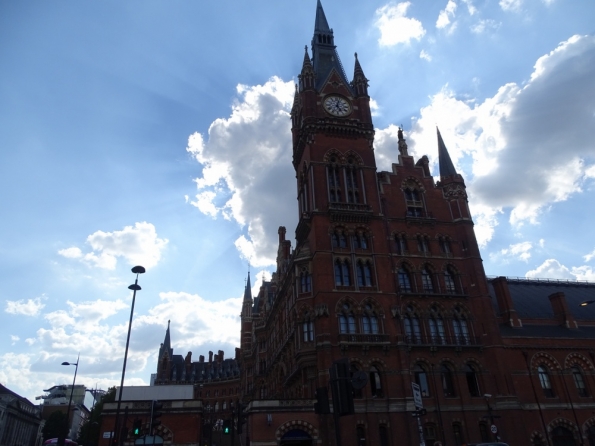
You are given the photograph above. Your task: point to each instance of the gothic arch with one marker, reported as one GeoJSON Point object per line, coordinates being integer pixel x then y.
{"type": "Point", "coordinates": [578, 359]}
{"type": "Point", "coordinates": [412, 182]}
{"type": "Point", "coordinates": [346, 300]}
{"type": "Point", "coordinates": [422, 361]}
{"type": "Point", "coordinates": [376, 307]}
{"type": "Point", "coordinates": [352, 154]}
{"type": "Point", "coordinates": [334, 152]}
{"type": "Point", "coordinates": [564, 423]}
{"type": "Point", "coordinates": [587, 424]}
{"type": "Point", "coordinates": [544, 358]}
{"type": "Point", "coordinates": [164, 433]}
{"type": "Point", "coordinates": [414, 305]}
{"type": "Point", "coordinates": [377, 362]}
{"type": "Point", "coordinates": [537, 434]}
{"type": "Point", "coordinates": [296, 424]}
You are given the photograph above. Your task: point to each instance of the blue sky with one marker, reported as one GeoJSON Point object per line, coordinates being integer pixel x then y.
{"type": "Point", "coordinates": [157, 133]}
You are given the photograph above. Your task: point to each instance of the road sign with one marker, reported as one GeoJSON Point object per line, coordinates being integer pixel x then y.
{"type": "Point", "coordinates": [494, 429]}
{"type": "Point", "coordinates": [108, 434]}
{"type": "Point", "coordinates": [417, 396]}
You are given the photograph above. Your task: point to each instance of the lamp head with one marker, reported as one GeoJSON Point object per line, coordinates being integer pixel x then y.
{"type": "Point", "coordinates": [138, 270]}
{"type": "Point", "coordinates": [587, 302]}
{"type": "Point", "coordinates": [487, 395]}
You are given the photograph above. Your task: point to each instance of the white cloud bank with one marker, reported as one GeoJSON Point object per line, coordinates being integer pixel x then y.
{"type": "Point", "coordinates": [29, 307]}
{"type": "Point", "coordinates": [446, 17]}
{"type": "Point", "coordinates": [521, 150]}
{"type": "Point", "coordinates": [138, 245]}
{"type": "Point", "coordinates": [247, 173]}
{"type": "Point", "coordinates": [551, 268]}
{"type": "Point", "coordinates": [394, 25]}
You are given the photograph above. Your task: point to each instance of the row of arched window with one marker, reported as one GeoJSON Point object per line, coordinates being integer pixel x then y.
{"type": "Point", "coordinates": [363, 269]}
{"type": "Point", "coordinates": [343, 177]}
{"type": "Point", "coordinates": [341, 240]}
{"type": "Point", "coordinates": [434, 330]}
{"type": "Point", "coordinates": [545, 382]}
{"type": "Point", "coordinates": [429, 281]}
{"type": "Point", "coordinates": [368, 322]}
{"type": "Point", "coordinates": [422, 243]}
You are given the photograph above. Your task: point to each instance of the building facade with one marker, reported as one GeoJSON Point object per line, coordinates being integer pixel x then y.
{"type": "Point", "coordinates": [386, 274]}
{"type": "Point", "coordinates": [20, 420]}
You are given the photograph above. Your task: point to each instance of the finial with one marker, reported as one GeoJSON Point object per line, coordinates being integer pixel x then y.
{"type": "Point", "coordinates": [306, 48]}
{"type": "Point", "coordinates": [356, 56]}
{"type": "Point", "coordinates": [168, 321]}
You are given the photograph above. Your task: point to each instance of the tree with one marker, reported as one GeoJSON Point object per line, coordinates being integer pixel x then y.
{"type": "Point", "coordinates": [55, 425]}
{"type": "Point", "coordinates": [89, 433]}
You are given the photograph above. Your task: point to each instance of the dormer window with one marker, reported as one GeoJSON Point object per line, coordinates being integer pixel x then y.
{"type": "Point", "coordinates": [413, 201]}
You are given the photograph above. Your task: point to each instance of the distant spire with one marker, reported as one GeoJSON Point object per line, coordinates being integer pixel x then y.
{"type": "Point", "coordinates": [358, 68]}
{"type": "Point", "coordinates": [166, 346]}
{"type": "Point", "coordinates": [447, 168]}
{"type": "Point", "coordinates": [248, 290]}
{"type": "Point", "coordinates": [360, 83]}
{"type": "Point", "coordinates": [320, 24]}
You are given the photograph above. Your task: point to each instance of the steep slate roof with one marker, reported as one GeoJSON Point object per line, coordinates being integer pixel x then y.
{"type": "Point", "coordinates": [447, 168]}
{"type": "Point", "coordinates": [324, 55]}
{"type": "Point", "coordinates": [530, 299]}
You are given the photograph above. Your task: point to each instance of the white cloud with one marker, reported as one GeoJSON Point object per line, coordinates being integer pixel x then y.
{"type": "Point", "coordinates": [552, 269]}
{"type": "Point", "coordinates": [424, 55]}
{"type": "Point", "coordinates": [29, 307]}
{"type": "Point", "coordinates": [14, 339]}
{"type": "Point", "coordinates": [395, 27]}
{"type": "Point", "coordinates": [470, 7]}
{"type": "Point", "coordinates": [446, 15]}
{"type": "Point", "coordinates": [509, 147]}
{"type": "Point", "coordinates": [138, 244]}
{"type": "Point", "coordinates": [589, 257]}
{"type": "Point", "coordinates": [247, 172]}
{"type": "Point", "coordinates": [374, 108]}
{"type": "Point", "coordinates": [510, 5]}
{"type": "Point", "coordinates": [519, 251]}
{"type": "Point", "coordinates": [485, 25]}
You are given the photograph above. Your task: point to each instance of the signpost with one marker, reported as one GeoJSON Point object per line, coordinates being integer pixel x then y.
{"type": "Point", "coordinates": [419, 411]}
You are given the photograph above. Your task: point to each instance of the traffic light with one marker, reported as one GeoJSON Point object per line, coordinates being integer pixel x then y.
{"type": "Point", "coordinates": [156, 413]}
{"type": "Point", "coordinates": [322, 405]}
{"type": "Point", "coordinates": [136, 427]}
{"type": "Point", "coordinates": [341, 387]}
{"type": "Point", "coordinates": [241, 418]}
{"type": "Point", "coordinates": [226, 427]}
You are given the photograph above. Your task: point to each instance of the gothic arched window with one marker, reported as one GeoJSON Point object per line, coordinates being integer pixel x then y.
{"type": "Point", "coordinates": [305, 282]}
{"type": "Point", "coordinates": [422, 244]}
{"type": "Point", "coordinates": [579, 381]}
{"type": "Point", "coordinates": [375, 383]}
{"type": "Point", "coordinates": [415, 207]}
{"type": "Point", "coordinates": [346, 320]}
{"type": "Point", "coordinates": [460, 329]}
{"type": "Point", "coordinates": [426, 280]}
{"type": "Point", "coordinates": [449, 281]}
{"type": "Point", "coordinates": [421, 378]}
{"type": "Point", "coordinates": [351, 176]}
{"type": "Point", "coordinates": [412, 327]}
{"type": "Point", "coordinates": [333, 173]}
{"type": "Point", "coordinates": [472, 383]}
{"type": "Point", "coordinates": [370, 321]}
{"type": "Point", "coordinates": [404, 279]}
{"type": "Point", "coordinates": [308, 328]}
{"type": "Point", "coordinates": [364, 273]}
{"type": "Point", "coordinates": [360, 241]}
{"type": "Point", "coordinates": [436, 327]}
{"type": "Point", "coordinates": [447, 382]}
{"type": "Point", "coordinates": [400, 245]}
{"type": "Point", "coordinates": [544, 380]}
{"type": "Point", "coordinates": [342, 276]}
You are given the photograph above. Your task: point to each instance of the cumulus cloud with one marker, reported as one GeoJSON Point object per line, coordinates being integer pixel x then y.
{"type": "Point", "coordinates": [424, 55]}
{"type": "Point", "coordinates": [552, 269]}
{"type": "Point", "coordinates": [470, 7]}
{"type": "Point", "coordinates": [526, 147]}
{"type": "Point", "coordinates": [247, 175]}
{"type": "Point", "coordinates": [138, 244]}
{"type": "Point", "coordinates": [485, 25]}
{"type": "Point", "coordinates": [590, 256]}
{"type": "Point", "coordinates": [510, 5]}
{"type": "Point", "coordinates": [29, 307]}
{"type": "Point", "coordinates": [394, 25]}
{"type": "Point", "coordinates": [517, 251]}
{"type": "Point", "coordinates": [446, 16]}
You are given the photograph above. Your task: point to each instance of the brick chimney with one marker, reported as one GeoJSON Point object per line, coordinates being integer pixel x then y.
{"type": "Point", "coordinates": [561, 312]}
{"type": "Point", "coordinates": [220, 355]}
{"type": "Point", "coordinates": [210, 356]}
{"type": "Point", "coordinates": [505, 305]}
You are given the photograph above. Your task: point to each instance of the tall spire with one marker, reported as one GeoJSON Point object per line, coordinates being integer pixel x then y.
{"type": "Point", "coordinates": [166, 346]}
{"type": "Point", "coordinates": [360, 83]}
{"type": "Point", "coordinates": [447, 168]}
{"type": "Point", "coordinates": [248, 290]}
{"type": "Point", "coordinates": [324, 55]}
{"type": "Point", "coordinates": [321, 24]}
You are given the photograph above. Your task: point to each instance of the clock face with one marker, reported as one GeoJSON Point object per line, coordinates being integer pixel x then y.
{"type": "Point", "coordinates": [336, 105]}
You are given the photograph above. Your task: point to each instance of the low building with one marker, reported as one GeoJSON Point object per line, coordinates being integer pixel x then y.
{"type": "Point", "coordinates": [20, 420]}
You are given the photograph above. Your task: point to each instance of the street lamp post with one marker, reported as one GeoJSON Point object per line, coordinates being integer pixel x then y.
{"type": "Point", "coordinates": [63, 436]}
{"type": "Point", "coordinates": [135, 287]}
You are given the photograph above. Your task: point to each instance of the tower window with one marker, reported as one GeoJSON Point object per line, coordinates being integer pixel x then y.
{"type": "Point", "coordinates": [579, 381]}
{"type": "Point", "coordinates": [334, 182]}
{"type": "Point", "coordinates": [449, 282]}
{"type": "Point", "coordinates": [364, 274]}
{"type": "Point", "coordinates": [472, 383]}
{"type": "Point", "coordinates": [412, 327]}
{"type": "Point", "coordinates": [460, 329]}
{"type": "Point", "coordinates": [400, 245]}
{"type": "Point", "coordinates": [426, 280]}
{"type": "Point", "coordinates": [404, 280]}
{"type": "Point", "coordinates": [351, 177]}
{"type": "Point", "coordinates": [421, 378]}
{"type": "Point", "coordinates": [436, 327]}
{"type": "Point", "coordinates": [342, 277]}
{"type": "Point", "coordinates": [544, 380]}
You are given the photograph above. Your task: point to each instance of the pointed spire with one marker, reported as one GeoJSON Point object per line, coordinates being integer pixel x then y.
{"type": "Point", "coordinates": [248, 290]}
{"type": "Point", "coordinates": [320, 24]}
{"type": "Point", "coordinates": [166, 346]}
{"type": "Point", "coordinates": [447, 168]}
{"type": "Point", "coordinates": [307, 62]}
{"type": "Point", "coordinates": [360, 83]}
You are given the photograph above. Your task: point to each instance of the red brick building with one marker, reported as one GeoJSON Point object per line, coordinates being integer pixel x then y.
{"type": "Point", "coordinates": [386, 273]}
